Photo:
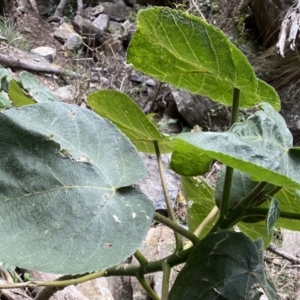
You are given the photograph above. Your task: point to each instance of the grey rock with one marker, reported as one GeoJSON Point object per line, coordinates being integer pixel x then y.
{"type": "Point", "coordinates": [73, 42]}
{"type": "Point", "coordinates": [150, 82]}
{"type": "Point", "coordinates": [116, 12]}
{"type": "Point", "coordinates": [65, 93]}
{"type": "Point", "coordinates": [97, 10]}
{"type": "Point", "coordinates": [116, 28]}
{"type": "Point", "coordinates": [64, 31]}
{"type": "Point", "coordinates": [200, 110]}
{"type": "Point", "coordinates": [102, 22]}
{"type": "Point", "coordinates": [48, 53]}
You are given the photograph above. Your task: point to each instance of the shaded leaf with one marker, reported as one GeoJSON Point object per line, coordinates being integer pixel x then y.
{"type": "Point", "coordinates": [189, 53]}
{"type": "Point", "coordinates": [224, 265]}
{"type": "Point", "coordinates": [289, 201]}
{"type": "Point", "coordinates": [273, 215]}
{"type": "Point", "coordinates": [256, 230]}
{"type": "Point", "coordinates": [200, 201]}
{"type": "Point", "coordinates": [260, 147]}
{"type": "Point", "coordinates": [39, 92]}
{"type": "Point", "coordinates": [17, 95]}
{"type": "Point", "coordinates": [127, 116]}
{"type": "Point", "coordinates": [66, 203]}
{"type": "Point", "coordinates": [4, 79]}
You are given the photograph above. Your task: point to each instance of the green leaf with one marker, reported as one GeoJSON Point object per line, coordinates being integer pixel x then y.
{"type": "Point", "coordinates": [39, 92]}
{"type": "Point", "coordinates": [17, 95]}
{"type": "Point", "coordinates": [189, 53]}
{"type": "Point", "coordinates": [200, 201]}
{"type": "Point", "coordinates": [127, 116]}
{"type": "Point", "coordinates": [224, 265]}
{"type": "Point", "coordinates": [289, 201]}
{"type": "Point", "coordinates": [256, 230]}
{"type": "Point", "coordinates": [4, 101]}
{"type": "Point", "coordinates": [273, 215]}
{"type": "Point", "coordinates": [67, 206]}
{"type": "Point", "coordinates": [4, 79]}
{"type": "Point", "coordinates": [188, 160]}
{"type": "Point", "coordinates": [260, 147]}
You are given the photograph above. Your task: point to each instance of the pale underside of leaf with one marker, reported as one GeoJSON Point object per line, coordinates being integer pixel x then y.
{"type": "Point", "coordinates": [64, 208]}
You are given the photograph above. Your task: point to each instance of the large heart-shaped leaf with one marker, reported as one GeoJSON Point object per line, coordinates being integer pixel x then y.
{"type": "Point", "coordinates": [127, 116]}
{"type": "Point", "coordinates": [224, 265]}
{"type": "Point", "coordinates": [66, 203]}
{"type": "Point", "coordinates": [200, 201]}
{"type": "Point", "coordinates": [189, 53]}
{"type": "Point", "coordinates": [260, 147]}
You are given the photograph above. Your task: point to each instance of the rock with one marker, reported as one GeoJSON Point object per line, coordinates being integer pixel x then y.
{"type": "Point", "coordinates": [151, 184]}
{"type": "Point", "coordinates": [97, 10]}
{"type": "Point", "coordinates": [150, 82]}
{"type": "Point", "coordinates": [102, 22]}
{"type": "Point", "coordinates": [291, 242]}
{"type": "Point", "coordinates": [46, 52]}
{"type": "Point", "coordinates": [112, 46]}
{"type": "Point", "coordinates": [268, 15]}
{"type": "Point", "coordinates": [200, 110]}
{"type": "Point", "coordinates": [64, 31]}
{"type": "Point", "coordinates": [65, 93]}
{"type": "Point", "coordinates": [96, 289]}
{"type": "Point", "coordinates": [116, 12]}
{"type": "Point", "coordinates": [73, 42]}
{"type": "Point", "coordinates": [136, 77]}
{"type": "Point", "coordinates": [116, 28]}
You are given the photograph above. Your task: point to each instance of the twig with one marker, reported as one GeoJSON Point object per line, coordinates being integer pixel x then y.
{"type": "Point", "coordinates": [293, 259]}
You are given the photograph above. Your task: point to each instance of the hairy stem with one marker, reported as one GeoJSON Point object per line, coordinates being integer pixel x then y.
{"type": "Point", "coordinates": [144, 283]}
{"type": "Point", "coordinates": [179, 244]}
{"type": "Point", "coordinates": [177, 228]}
{"type": "Point", "coordinates": [166, 281]}
{"type": "Point", "coordinates": [263, 211]}
{"type": "Point", "coordinates": [141, 258]}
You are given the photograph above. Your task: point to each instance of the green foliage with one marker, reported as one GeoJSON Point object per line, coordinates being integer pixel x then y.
{"type": "Point", "coordinates": [66, 173]}
{"type": "Point", "coordinates": [127, 116]}
{"type": "Point", "coordinates": [189, 53]}
{"type": "Point", "coordinates": [224, 265]}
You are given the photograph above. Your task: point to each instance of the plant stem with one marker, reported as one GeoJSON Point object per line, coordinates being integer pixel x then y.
{"type": "Point", "coordinates": [166, 281]}
{"type": "Point", "coordinates": [177, 228]}
{"type": "Point", "coordinates": [203, 224]}
{"type": "Point", "coordinates": [225, 202]}
{"type": "Point", "coordinates": [275, 190]}
{"type": "Point", "coordinates": [179, 244]}
{"type": "Point", "coordinates": [235, 214]}
{"type": "Point", "coordinates": [263, 211]}
{"type": "Point", "coordinates": [119, 270]}
{"type": "Point", "coordinates": [141, 258]}
{"type": "Point", "coordinates": [144, 283]}
{"type": "Point", "coordinates": [235, 106]}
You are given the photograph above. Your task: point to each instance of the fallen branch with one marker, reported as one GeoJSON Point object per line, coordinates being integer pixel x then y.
{"type": "Point", "coordinates": [280, 252]}
{"type": "Point", "coordinates": [34, 66]}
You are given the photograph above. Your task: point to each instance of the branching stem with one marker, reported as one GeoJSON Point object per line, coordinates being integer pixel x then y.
{"type": "Point", "coordinates": [179, 244]}
{"type": "Point", "coordinates": [177, 228]}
